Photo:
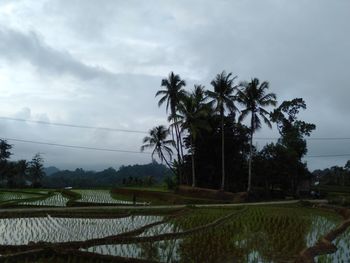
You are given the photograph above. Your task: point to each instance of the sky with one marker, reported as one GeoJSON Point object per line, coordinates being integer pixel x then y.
{"type": "Point", "coordinates": [100, 63]}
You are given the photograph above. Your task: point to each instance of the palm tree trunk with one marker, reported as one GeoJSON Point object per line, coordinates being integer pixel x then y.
{"type": "Point", "coordinates": [222, 150]}
{"type": "Point", "coordinates": [193, 166]}
{"type": "Point", "coordinates": [177, 146]}
{"type": "Point", "coordinates": [250, 154]}
{"type": "Point", "coordinates": [177, 151]}
{"type": "Point", "coordinates": [250, 163]}
{"type": "Point", "coordinates": [167, 163]}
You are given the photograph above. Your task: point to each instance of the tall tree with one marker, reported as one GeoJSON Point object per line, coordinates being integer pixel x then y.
{"type": "Point", "coordinates": [192, 113]}
{"type": "Point", "coordinates": [172, 94]}
{"type": "Point", "coordinates": [254, 98]}
{"type": "Point", "coordinates": [223, 98]}
{"type": "Point", "coordinates": [159, 142]}
{"type": "Point", "coordinates": [293, 131]}
{"type": "Point", "coordinates": [4, 156]}
{"type": "Point", "coordinates": [22, 170]}
{"type": "Point", "coordinates": [36, 170]}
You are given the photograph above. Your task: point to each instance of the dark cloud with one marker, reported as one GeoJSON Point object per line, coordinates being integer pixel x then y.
{"type": "Point", "coordinates": [101, 63]}
{"type": "Point", "coordinates": [17, 46]}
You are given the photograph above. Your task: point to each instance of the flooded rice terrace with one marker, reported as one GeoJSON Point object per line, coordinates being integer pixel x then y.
{"type": "Point", "coordinates": [264, 234]}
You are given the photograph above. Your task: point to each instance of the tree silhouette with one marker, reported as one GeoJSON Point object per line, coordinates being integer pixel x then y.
{"type": "Point", "coordinates": [254, 98]}
{"type": "Point", "coordinates": [172, 95]}
{"type": "Point", "coordinates": [4, 156]}
{"type": "Point", "coordinates": [22, 171]}
{"type": "Point", "coordinates": [192, 113]}
{"type": "Point", "coordinates": [292, 131]}
{"type": "Point", "coordinates": [157, 140]}
{"type": "Point", "coordinates": [223, 98]}
{"type": "Point", "coordinates": [36, 170]}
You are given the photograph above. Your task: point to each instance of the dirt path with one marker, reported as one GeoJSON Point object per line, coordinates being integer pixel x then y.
{"type": "Point", "coordinates": [96, 208]}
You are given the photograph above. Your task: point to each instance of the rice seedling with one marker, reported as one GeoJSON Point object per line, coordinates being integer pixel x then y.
{"type": "Point", "coordinates": [54, 200]}
{"type": "Point", "coordinates": [6, 196]}
{"type": "Point", "coordinates": [254, 234]}
{"type": "Point", "coordinates": [262, 234]}
{"type": "Point", "coordinates": [18, 231]}
{"type": "Point", "coordinates": [99, 196]}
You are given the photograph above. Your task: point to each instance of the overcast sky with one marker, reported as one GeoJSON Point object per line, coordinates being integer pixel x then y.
{"type": "Point", "coordinates": [100, 62]}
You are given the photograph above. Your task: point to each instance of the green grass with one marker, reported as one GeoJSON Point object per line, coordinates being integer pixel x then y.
{"type": "Point", "coordinates": [157, 188]}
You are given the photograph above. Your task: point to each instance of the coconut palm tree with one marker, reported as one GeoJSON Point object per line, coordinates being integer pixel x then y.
{"type": "Point", "coordinates": [254, 99]}
{"type": "Point", "coordinates": [192, 111]}
{"type": "Point", "coordinates": [223, 98]}
{"type": "Point", "coordinates": [172, 94]}
{"type": "Point", "coordinates": [157, 140]}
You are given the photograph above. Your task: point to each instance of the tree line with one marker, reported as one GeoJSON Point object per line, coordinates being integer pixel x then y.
{"type": "Point", "coordinates": [335, 175]}
{"type": "Point", "coordinates": [207, 144]}
{"type": "Point", "coordinates": [130, 175]}
{"type": "Point", "coordinates": [20, 173]}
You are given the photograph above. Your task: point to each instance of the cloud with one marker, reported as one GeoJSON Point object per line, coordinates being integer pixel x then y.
{"type": "Point", "coordinates": [89, 62]}
{"type": "Point", "coordinates": [16, 46]}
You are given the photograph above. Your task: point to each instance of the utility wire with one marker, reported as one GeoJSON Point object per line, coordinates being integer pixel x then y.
{"type": "Point", "coordinates": [74, 146]}
{"type": "Point", "coordinates": [328, 155]}
{"type": "Point", "coordinates": [144, 132]}
{"type": "Point", "coordinates": [72, 125]}
{"type": "Point", "coordinates": [128, 151]}
{"type": "Point", "coordinates": [308, 139]}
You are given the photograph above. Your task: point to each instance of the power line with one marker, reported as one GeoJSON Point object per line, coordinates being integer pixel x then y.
{"type": "Point", "coordinates": [308, 139]}
{"type": "Point", "coordinates": [72, 125]}
{"type": "Point", "coordinates": [328, 155]}
{"type": "Point", "coordinates": [74, 146]}
{"type": "Point", "coordinates": [134, 152]}
{"type": "Point", "coordinates": [145, 132]}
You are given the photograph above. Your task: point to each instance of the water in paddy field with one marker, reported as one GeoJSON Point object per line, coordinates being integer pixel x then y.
{"type": "Point", "coordinates": [257, 235]}
{"type": "Point", "coordinates": [248, 238]}
{"type": "Point", "coordinates": [55, 200]}
{"type": "Point", "coordinates": [19, 231]}
{"type": "Point", "coordinates": [100, 196]}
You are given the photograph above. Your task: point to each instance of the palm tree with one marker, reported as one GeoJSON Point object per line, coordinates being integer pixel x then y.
{"type": "Point", "coordinates": [192, 112]}
{"type": "Point", "coordinates": [157, 140]}
{"type": "Point", "coordinates": [254, 98]}
{"type": "Point", "coordinates": [172, 95]}
{"type": "Point", "coordinates": [223, 98]}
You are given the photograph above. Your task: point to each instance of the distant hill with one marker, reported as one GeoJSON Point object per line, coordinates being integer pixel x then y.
{"type": "Point", "coordinates": [51, 170]}
{"type": "Point", "coordinates": [106, 178]}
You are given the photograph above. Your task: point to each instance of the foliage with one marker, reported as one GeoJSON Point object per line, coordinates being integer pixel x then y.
{"type": "Point", "coordinates": [36, 170]}
{"type": "Point", "coordinates": [254, 98]}
{"type": "Point", "coordinates": [280, 164]}
{"type": "Point", "coordinates": [335, 175]}
{"type": "Point", "coordinates": [158, 141]}
{"type": "Point", "coordinates": [136, 174]}
{"type": "Point", "coordinates": [170, 182]}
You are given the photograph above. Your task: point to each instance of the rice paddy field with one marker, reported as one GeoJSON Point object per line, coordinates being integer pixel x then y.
{"type": "Point", "coordinates": [11, 196]}
{"type": "Point", "coordinates": [98, 196]}
{"type": "Point", "coordinates": [242, 234]}
{"type": "Point", "coordinates": [58, 198]}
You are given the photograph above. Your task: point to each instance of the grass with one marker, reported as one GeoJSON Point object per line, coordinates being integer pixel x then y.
{"type": "Point", "coordinates": [157, 188]}
{"type": "Point", "coordinates": [158, 197]}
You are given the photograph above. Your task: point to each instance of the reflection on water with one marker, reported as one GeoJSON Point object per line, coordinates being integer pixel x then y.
{"type": "Point", "coordinates": [19, 231]}
{"type": "Point", "coordinates": [343, 252]}
{"type": "Point", "coordinates": [257, 235]}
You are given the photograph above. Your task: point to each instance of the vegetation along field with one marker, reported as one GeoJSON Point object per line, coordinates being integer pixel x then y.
{"type": "Point", "coordinates": [185, 234]}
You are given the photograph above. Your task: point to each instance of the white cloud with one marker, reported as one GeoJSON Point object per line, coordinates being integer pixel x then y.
{"type": "Point", "coordinates": [100, 63]}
